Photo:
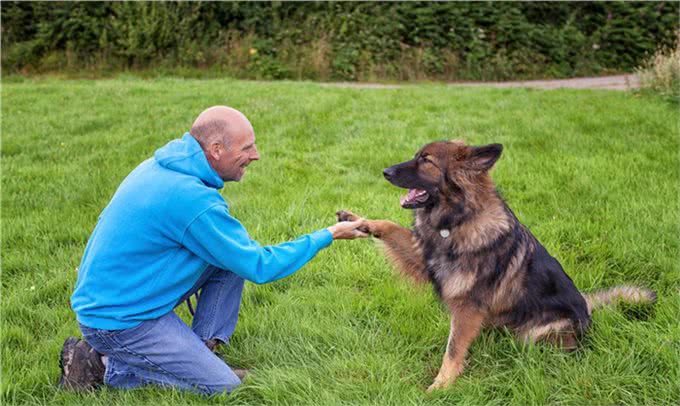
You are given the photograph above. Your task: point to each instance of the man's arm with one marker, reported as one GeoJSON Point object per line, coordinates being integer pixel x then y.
{"type": "Point", "coordinates": [221, 240]}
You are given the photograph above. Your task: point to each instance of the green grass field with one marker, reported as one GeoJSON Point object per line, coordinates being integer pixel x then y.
{"type": "Point", "coordinates": [593, 174]}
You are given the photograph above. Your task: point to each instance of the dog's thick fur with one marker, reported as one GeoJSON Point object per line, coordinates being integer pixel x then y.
{"type": "Point", "coordinates": [487, 268]}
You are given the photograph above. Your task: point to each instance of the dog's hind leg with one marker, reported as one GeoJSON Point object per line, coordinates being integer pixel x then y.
{"type": "Point", "coordinates": [560, 333]}
{"type": "Point", "coordinates": [466, 323]}
{"type": "Point", "coordinates": [399, 243]}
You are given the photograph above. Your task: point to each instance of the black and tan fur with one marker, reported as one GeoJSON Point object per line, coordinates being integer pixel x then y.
{"type": "Point", "coordinates": [489, 270]}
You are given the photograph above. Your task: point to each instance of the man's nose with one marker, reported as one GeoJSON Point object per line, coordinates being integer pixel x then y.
{"type": "Point", "coordinates": [389, 172]}
{"type": "Point", "coordinates": [256, 155]}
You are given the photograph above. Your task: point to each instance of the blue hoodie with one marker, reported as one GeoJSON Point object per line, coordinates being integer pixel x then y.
{"type": "Point", "coordinates": [163, 227]}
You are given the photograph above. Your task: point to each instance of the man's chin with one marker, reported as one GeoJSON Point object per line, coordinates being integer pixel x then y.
{"type": "Point", "coordinates": [240, 175]}
{"type": "Point", "coordinates": [233, 178]}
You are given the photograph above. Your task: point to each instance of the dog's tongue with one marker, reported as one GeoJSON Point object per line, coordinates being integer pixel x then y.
{"type": "Point", "coordinates": [411, 196]}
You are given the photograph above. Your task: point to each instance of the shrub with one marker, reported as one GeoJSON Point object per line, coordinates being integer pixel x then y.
{"type": "Point", "coordinates": [338, 40]}
{"type": "Point", "coordinates": [661, 73]}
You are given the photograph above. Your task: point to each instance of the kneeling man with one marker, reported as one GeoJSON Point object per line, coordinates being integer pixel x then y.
{"type": "Point", "coordinates": [166, 234]}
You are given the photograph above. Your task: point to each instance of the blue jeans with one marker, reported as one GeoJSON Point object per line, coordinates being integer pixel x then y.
{"type": "Point", "coordinates": [166, 352]}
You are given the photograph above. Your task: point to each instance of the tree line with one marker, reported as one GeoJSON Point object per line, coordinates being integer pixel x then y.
{"type": "Point", "coordinates": [338, 40]}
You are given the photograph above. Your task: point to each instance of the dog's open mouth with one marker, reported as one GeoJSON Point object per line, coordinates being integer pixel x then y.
{"type": "Point", "coordinates": [414, 198]}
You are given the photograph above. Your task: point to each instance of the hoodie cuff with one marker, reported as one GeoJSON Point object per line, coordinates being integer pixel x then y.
{"type": "Point", "coordinates": [322, 238]}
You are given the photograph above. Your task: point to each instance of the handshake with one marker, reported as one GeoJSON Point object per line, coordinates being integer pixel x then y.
{"type": "Point", "coordinates": [349, 226]}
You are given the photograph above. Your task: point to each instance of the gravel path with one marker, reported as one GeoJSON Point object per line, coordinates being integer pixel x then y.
{"type": "Point", "coordinates": [619, 82]}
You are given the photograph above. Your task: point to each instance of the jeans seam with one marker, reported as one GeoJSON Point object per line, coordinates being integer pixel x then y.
{"type": "Point", "coordinates": [212, 315]}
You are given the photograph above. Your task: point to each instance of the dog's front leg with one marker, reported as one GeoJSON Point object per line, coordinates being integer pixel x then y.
{"type": "Point", "coordinates": [382, 229]}
{"type": "Point", "coordinates": [466, 322]}
{"type": "Point", "coordinates": [400, 245]}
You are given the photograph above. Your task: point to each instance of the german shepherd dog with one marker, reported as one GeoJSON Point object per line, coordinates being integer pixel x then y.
{"type": "Point", "coordinates": [486, 267]}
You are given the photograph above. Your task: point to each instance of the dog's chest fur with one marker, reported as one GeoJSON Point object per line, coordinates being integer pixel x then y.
{"type": "Point", "coordinates": [447, 271]}
{"type": "Point", "coordinates": [455, 258]}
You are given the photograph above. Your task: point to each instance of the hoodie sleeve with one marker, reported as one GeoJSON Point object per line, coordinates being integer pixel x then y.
{"type": "Point", "coordinates": [221, 240]}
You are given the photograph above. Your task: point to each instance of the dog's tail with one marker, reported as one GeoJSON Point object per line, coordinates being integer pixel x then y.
{"type": "Point", "coordinates": [625, 293]}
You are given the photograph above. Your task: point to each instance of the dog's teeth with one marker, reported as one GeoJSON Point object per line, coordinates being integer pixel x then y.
{"type": "Point", "coordinates": [413, 196]}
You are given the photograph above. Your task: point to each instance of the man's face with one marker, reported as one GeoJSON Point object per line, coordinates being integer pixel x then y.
{"type": "Point", "coordinates": [239, 152]}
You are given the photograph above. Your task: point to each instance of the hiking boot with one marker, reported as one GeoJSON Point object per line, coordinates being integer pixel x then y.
{"type": "Point", "coordinates": [212, 344]}
{"type": "Point", "coordinates": [81, 366]}
{"type": "Point", "coordinates": [241, 373]}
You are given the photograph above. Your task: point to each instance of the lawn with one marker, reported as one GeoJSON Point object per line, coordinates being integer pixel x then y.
{"type": "Point", "coordinates": [594, 175]}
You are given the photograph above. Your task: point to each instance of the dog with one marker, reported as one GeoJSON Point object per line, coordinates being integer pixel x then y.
{"type": "Point", "coordinates": [486, 267]}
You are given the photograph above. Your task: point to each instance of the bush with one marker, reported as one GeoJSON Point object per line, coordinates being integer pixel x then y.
{"type": "Point", "coordinates": [338, 40]}
{"type": "Point", "coordinates": [661, 73]}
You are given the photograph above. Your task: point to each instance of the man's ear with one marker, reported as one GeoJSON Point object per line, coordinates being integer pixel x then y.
{"type": "Point", "coordinates": [215, 151]}
{"type": "Point", "coordinates": [483, 158]}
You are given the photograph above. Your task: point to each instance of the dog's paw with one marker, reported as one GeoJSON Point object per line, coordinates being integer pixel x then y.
{"type": "Point", "coordinates": [345, 215]}
{"type": "Point", "coordinates": [441, 382]}
{"type": "Point", "coordinates": [437, 385]}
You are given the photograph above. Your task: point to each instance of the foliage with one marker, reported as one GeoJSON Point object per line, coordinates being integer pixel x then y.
{"type": "Point", "coordinates": [338, 40]}
{"type": "Point", "coordinates": [593, 174]}
{"type": "Point", "coordinates": [661, 73]}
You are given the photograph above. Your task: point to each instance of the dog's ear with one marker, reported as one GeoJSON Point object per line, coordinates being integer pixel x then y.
{"type": "Point", "coordinates": [483, 158]}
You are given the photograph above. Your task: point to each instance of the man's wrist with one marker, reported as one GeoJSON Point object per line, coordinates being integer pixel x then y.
{"type": "Point", "coordinates": [332, 230]}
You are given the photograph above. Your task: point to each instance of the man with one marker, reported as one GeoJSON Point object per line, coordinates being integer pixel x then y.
{"type": "Point", "coordinates": [167, 233]}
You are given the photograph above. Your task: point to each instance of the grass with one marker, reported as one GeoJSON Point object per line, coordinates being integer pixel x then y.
{"type": "Point", "coordinates": [594, 174]}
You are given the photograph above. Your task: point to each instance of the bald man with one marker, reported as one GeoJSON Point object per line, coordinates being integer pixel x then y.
{"type": "Point", "coordinates": [166, 234]}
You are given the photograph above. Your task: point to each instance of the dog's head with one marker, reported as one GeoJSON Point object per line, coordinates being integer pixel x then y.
{"type": "Point", "coordinates": [441, 168]}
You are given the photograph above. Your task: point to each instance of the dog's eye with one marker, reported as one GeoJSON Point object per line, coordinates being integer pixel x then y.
{"type": "Point", "coordinates": [424, 159]}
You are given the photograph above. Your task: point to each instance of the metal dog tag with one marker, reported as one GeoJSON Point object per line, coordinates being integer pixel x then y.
{"type": "Point", "coordinates": [444, 233]}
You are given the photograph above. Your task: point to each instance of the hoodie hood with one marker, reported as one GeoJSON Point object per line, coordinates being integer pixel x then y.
{"type": "Point", "coordinates": [186, 156]}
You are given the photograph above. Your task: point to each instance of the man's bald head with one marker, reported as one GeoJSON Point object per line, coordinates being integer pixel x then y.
{"type": "Point", "coordinates": [227, 139]}
{"type": "Point", "coordinates": [219, 124]}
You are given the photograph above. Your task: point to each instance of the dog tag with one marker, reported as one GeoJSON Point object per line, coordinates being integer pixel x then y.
{"type": "Point", "coordinates": [444, 233]}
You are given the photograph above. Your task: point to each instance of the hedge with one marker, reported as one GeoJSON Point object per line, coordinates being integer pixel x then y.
{"type": "Point", "coordinates": [338, 40]}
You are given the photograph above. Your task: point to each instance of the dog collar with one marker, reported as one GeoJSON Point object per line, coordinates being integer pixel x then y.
{"type": "Point", "coordinates": [444, 233]}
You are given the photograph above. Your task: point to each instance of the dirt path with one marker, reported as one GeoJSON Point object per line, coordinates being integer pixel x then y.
{"type": "Point", "coordinates": [619, 82]}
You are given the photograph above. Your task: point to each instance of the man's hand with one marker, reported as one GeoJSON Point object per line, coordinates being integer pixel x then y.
{"type": "Point", "coordinates": [347, 230]}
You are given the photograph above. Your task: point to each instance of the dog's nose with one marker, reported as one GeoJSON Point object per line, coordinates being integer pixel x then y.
{"type": "Point", "coordinates": [389, 173]}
